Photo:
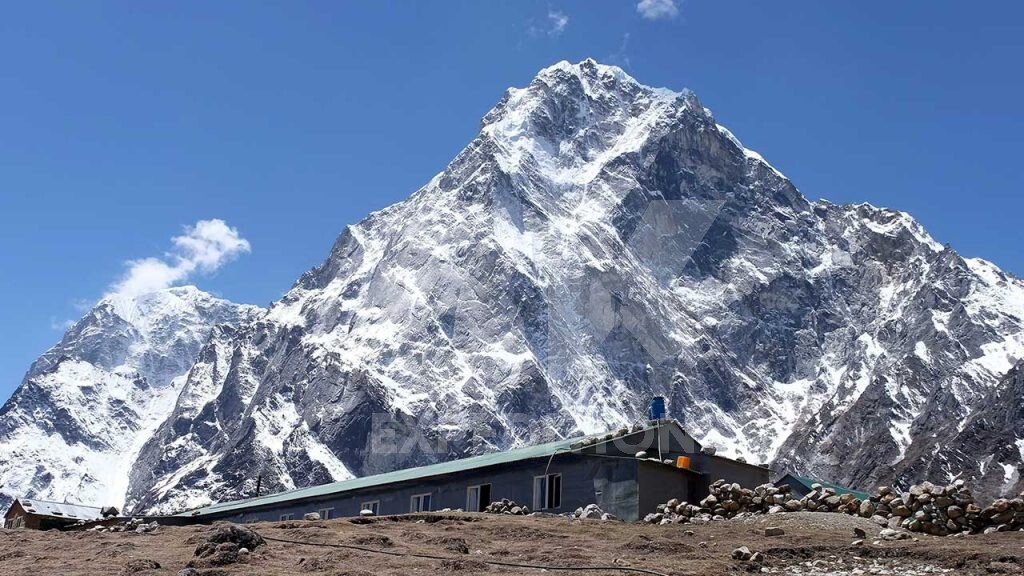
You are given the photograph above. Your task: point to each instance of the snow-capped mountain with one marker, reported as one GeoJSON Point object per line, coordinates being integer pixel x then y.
{"type": "Point", "coordinates": [75, 425]}
{"type": "Point", "coordinates": [597, 243]}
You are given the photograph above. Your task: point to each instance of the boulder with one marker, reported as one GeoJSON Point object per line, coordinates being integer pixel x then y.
{"type": "Point", "coordinates": [243, 536]}
{"type": "Point", "coordinates": [215, 554]}
{"type": "Point", "coordinates": [867, 509]}
{"type": "Point", "coordinates": [890, 534]}
{"type": "Point", "coordinates": [741, 553]}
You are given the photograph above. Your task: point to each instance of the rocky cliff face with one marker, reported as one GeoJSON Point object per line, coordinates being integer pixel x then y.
{"type": "Point", "coordinates": [599, 242]}
{"type": "Point", "coordinates": [986, 446]}
{"type": "Point", "coordinates": [75, 425]}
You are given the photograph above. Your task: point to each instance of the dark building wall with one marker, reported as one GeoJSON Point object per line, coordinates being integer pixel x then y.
{"type": "Point", "coordinates": [713, 468]}
{"type": "Point", "coordinates": [15, 511]}
{"type": "Point", "coordinates": [609, 482]}
{"type": "Point", "coordinates": [659, 483]}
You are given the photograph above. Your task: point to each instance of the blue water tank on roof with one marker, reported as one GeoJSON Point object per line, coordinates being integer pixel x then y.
{"type": "Point", "coordinates": [656, 411]}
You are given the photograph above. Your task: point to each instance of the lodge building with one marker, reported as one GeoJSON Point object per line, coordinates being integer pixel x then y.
{"type": "Point", "coordinates": [38, 514]}
{"type": "Point", "coordinates": [627, 474]}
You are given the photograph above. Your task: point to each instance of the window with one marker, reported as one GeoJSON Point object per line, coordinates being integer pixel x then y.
{"type": "Point", "coordinates": [420, 503]}
{"type": "Point", "coordinates": [547, 491]}
{"type": "Point", "coordinates": [325, 513]}
{"type": "Point", "coordinates": [285, 517]}
{"type": "Point", "coordinates": [372, 506]}
{"type": "Point", "coordinates": [478, 497]}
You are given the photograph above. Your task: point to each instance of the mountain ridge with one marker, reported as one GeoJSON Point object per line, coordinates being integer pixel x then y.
{"type": "Point", "coordinates": [599, 242]}
{"type": "Point", "coordinates": [85, 405]}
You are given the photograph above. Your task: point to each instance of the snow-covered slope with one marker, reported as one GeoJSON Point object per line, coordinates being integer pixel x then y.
{"type": "Point", "coordinates": [598, 242]}
{"type": "Point", "coordinates": [75, 425]}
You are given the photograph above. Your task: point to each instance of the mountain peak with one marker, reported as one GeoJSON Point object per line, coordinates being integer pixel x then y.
{"type": "Point", "coordinates": [573, 118]}
{"type": "Point", "coordinates": [586, 69]}
{"type": "Point", "coordinates": [142, 309]}
{"type": "Point", "coordinates": [86, 405]}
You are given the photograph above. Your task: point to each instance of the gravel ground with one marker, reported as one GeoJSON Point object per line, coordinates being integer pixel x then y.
{"type": "Point", "coordinates": [813, 544]}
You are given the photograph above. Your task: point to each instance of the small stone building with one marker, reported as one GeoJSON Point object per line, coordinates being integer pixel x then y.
{"type": "Point", "coordinates": [557, 477]}
{"type": "Point", "coordinates": [43, 515]}
{"type": "Point", "coordinates": [800, 486]}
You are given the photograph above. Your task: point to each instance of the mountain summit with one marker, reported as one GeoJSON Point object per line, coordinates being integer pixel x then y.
{"type": "Point", "coordinates": [600, 242]}
{"type": "Point", "coordinates": [84, 409]}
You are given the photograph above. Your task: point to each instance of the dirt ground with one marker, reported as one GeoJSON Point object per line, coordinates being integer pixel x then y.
{"type": "Point", "coordinates": [818, 544]}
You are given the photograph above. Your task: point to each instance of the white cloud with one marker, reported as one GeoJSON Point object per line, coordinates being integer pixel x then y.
{"type": "Point", "coordinates": [558, 22]}
{"type": "Point", "coordinates": [655, 9]}
{"type": "Point", "coordinates": [203, 248]}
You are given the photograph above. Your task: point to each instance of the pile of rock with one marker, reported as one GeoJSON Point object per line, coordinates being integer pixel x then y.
{"type": "Point", "coordinates": [929, 508]}
{"type": "Point", "coordinates": [225, 544]}
{"type": "Point", "coordinates": [925, 507]}
{"type": "Point", "coordinates": [726, 501]}
{"type": "Point", "coordinates": [823, 499]}
{"type": "Point", "coordinates": [506, 506]}
{"type": "Point", "coordinates": [941, 510]}
{"type": "Point", "coordinates": [1004, 514]}
{"type": "Point", "coordinates": [131, 525]}
{"type": "Point", "coordinates": [592, 512]}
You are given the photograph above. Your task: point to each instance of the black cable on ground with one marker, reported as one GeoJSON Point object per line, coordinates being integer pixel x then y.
{"type": "Point", "coordinates": [491, 562]}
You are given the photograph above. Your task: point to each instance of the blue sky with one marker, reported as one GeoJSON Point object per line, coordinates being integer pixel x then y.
{"type": "Point", "coordinates": [123, 123]}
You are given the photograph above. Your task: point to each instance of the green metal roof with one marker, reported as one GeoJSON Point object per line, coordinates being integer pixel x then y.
{"type": "Point", "coordinates": [440, 469]}
{"type": "Point", "coordinates": [839, 489]}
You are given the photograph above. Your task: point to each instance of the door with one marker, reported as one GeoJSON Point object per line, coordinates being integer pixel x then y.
{"type": "Point", "coordinates": [485, 496]}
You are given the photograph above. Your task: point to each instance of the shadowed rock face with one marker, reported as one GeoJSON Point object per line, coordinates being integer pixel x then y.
{"type": "Point", "coordinates": [986, 445]}
{"type": "Point", "coordinates": [597, 243]}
